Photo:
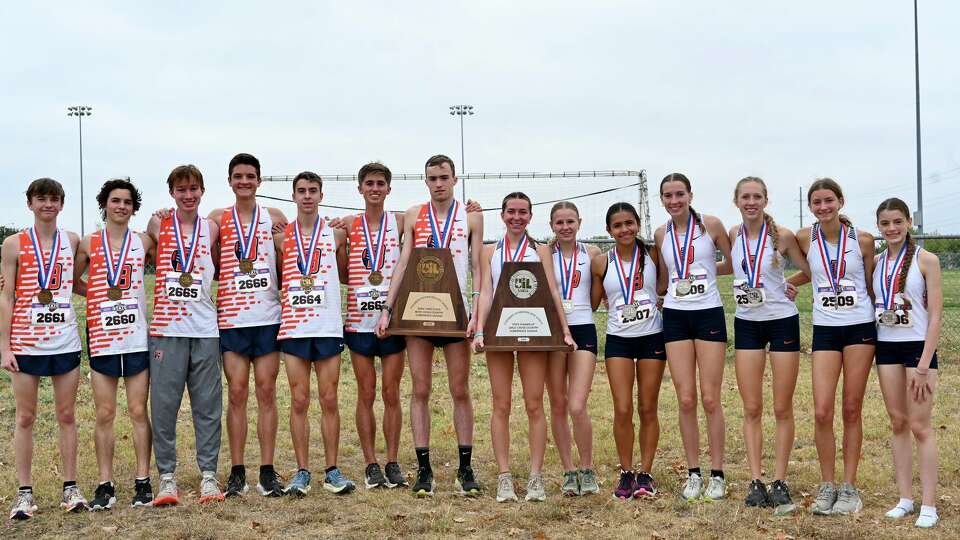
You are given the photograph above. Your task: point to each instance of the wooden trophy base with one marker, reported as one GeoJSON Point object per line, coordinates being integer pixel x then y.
{"type": "Point", "coordinates": [429, 301]}
{"type": "Point", "coordinates": [523, 316]}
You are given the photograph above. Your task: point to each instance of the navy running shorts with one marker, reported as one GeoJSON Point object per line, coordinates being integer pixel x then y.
{"type": "Point", "coordinates": [783, 335]}
{"type": "Point", "coordinates": [585, 336]}
{"type": "Point", "coordinates": [835, 338]}
{"type": "Point", "coordinates": [646, 347]}
{"type": "Point", "coordinates": [250, 341]}
{"type": "Point", "coordinates": [120, 365]}
{"type": "Point", "coordinates": [703, 324]}
{"type": "Point", "coordinates": [369, 345]}
{"type": "Point", "coordinates": [48, 365]}
{"type": "Point", "coordinates": [442, 341]}
{"type": "Point", "coordinates": [902, 352]}
{"type": "Point", "coordinates": [312, 348]}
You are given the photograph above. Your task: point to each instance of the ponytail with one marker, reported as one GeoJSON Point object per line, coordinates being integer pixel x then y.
{"type": "Point", "coordinates": [846, 221]}
{"type": "Point", "coordinates": [773, 230]}
{"type": "Point", "coordinates": [907, 261]}
{"type": "Point", "coordinates": [698, 219]}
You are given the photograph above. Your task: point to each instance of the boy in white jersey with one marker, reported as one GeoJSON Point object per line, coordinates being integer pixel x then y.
{"type": "Point", "coordinates": [38, 337]}
{"type": "Point", "coordinates": [313, 257]}
{"type": "Point", "coordinates": [184, 342]}
{"type": "Point", "coordinates": [248, 309]}
{"type": "Point", "coordinates": [441, 223]}
{"type": "Point", "coordinates": [117, 333]}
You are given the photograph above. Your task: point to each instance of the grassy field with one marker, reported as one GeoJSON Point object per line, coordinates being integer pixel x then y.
{"type": "Point", "coordinates": [395, 514]}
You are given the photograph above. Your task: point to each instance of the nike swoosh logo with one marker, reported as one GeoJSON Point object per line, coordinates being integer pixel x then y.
{"type": "Point", "coordinates": [866, 339]}
{"type": "Point", "coordinates": [657, 352]}
{"type": "Point", "coordinates": [134, 249]}
{"type": "Point", "coordinates": [714, 332]}
{"type": "Point", "coordinates": [788, 341]}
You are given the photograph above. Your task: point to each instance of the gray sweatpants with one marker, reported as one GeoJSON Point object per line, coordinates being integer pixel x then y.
{"type": "Point", "coordinates": [194, 362]}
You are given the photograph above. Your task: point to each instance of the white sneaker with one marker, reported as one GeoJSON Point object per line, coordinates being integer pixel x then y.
{"type": "Point", "coordinates": [716, 489]}
{"type": "Point", "coordinates": [535, 491]}
{"type": "Point", "coordinates": [25, 506]}
{"type": "Point", "coordinates": [900, 511]}
{"type": "Point", "coordinates": [72, 500]}
{"type": "Point", "coordinates": [168, 494]}
{"type": "Point", "coordinates": [694, 487]}
{"type": "Point", "coordinates": [848, 500]}
{"type": "Point", "coordinates": [825, 499]}
{"type": "Point", "coordinates": [927, 518]}
{"type": "Point", "coordinates": [210, 488]}
{"type": "Point", "coordinates": [505, 488]}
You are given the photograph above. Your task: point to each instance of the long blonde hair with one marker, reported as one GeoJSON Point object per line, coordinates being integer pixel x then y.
{"type": "Point", "coordinates": [772, 227]}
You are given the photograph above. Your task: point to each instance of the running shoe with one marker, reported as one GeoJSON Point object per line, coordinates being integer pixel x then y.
{"type": "Point", "coordinates": [210, 488]}
{"type": "Point", "coordinates": [168, 494]}
{"type": "Point", "coordinates": [373, 476]}
{"type": "Point", "coordinates": [645, 486]}
{"type": "Point", "coordinates": [423, 487]}
{"type": "Point", "coordinates": [535, 490]}
{"type": "Point", "coordinates": [236, 484]}
{"type": "Point", "coordinates": [716, 489]}
{"type": "Point", "coordinates": [779, 495]}
{"type": "Point", "coordinates": [394, 475]}
{"type": "Point", "coordinates": [505, 488]}
{"type": "Point", "coordinates": [757, 495]}
{"type": "Point", "coordinates": [269, 484]}
{"type": "Point", "coordinates": [72, 500]}
{"type": "Point", "coordinates": [104, 497]}
{"type": "Point", "coordinates": [299, 485]}
{"type": "Point", "coordinates": [825, 499]}
{"type": "Point", "coordinates": [901, 510]}
{"type": "Point", "coordinates": [25, 506]}
{"type": "Point", "coordinates": [626, 485]}
{"type": "Point", "coordinates": [588, 482]}
{"type": "Point", "coordinates": [142, 493]}
{"type": "Point", "coordinates": [335, 482]}
{"type": "Point", "coordinates": [927, 519]}
{"type": "Point", "coordinates": [848, 500]}
{"type": "Point", "coordinates": [571, 484]}
{"type": "Point", "coordinates": [693, 488]}
{"type": "Point", "coordinates": [466, 484]}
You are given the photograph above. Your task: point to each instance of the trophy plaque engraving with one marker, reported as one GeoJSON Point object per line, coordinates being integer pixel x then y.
{"type": "Point", "coordinates": [429, 301]}
{"type": "Point", "coordinates": [522, 315]}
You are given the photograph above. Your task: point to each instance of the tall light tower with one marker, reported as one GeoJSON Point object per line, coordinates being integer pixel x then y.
{"type": "Point", "coordinates": [80, 111]}
{"type": "Point", "coordinates": [461, 111]}
{"type": "Point", "coordinates": [918, 220]}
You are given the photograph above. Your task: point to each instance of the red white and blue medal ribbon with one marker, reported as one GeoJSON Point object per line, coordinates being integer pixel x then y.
{"type": "Point", "coordinates": [681, 255]}
{"type": "Point", "coordinates": [45, 270]}
{"type": "Point", "coordinates": [305, 259]}
{"type": "Point", "coordinates": [753, 267]}
{"type": "Point", "coordinates": [518, 254]}
{"type": "Point", "coordinates": [566, 272]}
{"type": "Point", "coordinates": [441, 237]}
{"type": "Point", "coordinates": [827, 261]}
{"type": "Point", "coordinates": [625, 280]}
{"type": "Point", "coordinates": [376, 250]}
{"type": "Point", "coordinates": [114, 269]}
{"type": "Point", "coordinates": [186, 255]}
{"type": "Point", "coordinates": [888, 282]}
{"type": "Point", "coordinates": [245, 240]}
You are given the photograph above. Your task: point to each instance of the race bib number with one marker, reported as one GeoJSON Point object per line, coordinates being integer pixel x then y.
{"type": "Point", "coordinates": [898, 317]}
{"type": "Point", "coordinates": [256, 280]}
{"type": "Point", "coordinates": [178, 292]}
{"type": "Point", "coordinates": [119, 314]}
{"type": "Point", "coordinates": [371, 299]}
{"type": "Point", "coordinates": [845, 299]}
{"type": "Point", "coordinates": [693, 288]}
{"type": "Point", "coordinates": [301, 297]}
{"type": "Point", "coordinates": [746, 296]}
{"type": "Point", "coordinates": [640, 310]}
{"type": "Point", "coordinates": [49, 314]}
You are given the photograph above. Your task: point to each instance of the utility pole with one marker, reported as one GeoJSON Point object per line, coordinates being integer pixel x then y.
{"type": "Point", "coordinates": [800, 204]}
{"type": "Point", "coordinates": [461, 111]}
{"type": "Point", "coordinates": [80, 111]}
{"type": "Point", "coordinates": [918, 218]}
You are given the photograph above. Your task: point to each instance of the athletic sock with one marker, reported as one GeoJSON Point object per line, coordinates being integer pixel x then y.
{"type": "Point", "coordinates": [423, 458]}
{"type": "Point", "coordinates": [330, 468]}
{"type": "Point", "coordinates": [466, 453]}
{"type": "Point", "coordinates": [28, 489]}
{"type": "Point", "coordinates": [69, 483]}
{"type": "Point", "coordinates": [905, 504]}
{"type": "Point", "coordinates": [928, 510]}
{"type": "Point", "coordinates": [693, 470]}
{"type": "Point", "coordinates": [238, 469]}
{"type": "Point", "coordinates": [716, 473]}
{"type": "Point", "coordinates": [143, 480]}
{"type": "Point", "coordinates": [266, 469]}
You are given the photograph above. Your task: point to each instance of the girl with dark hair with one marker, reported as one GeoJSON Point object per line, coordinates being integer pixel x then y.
{"type": "Point", "coordinates": [627, 276]}
{"type": "Point", "coordinates": [694, 326]}
{"type": "Point", "coordinates": [909, 313]}
{"type": "Point", "coordinates": [571, 373]}
{"type": "Point", "coordinates": [844, 337]}
{"type": "Point", "coordinates": [532, 365]}
{"type": "Point", "coordinates": [765, 317]}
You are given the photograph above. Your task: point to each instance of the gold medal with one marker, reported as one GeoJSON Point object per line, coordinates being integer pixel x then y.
{"type": "Point", "coordinates": [375, 278]}
{"type": "Point", "coordinates": [114, 293]}
{"type": "Point", "coordinates": [186, 279]}
{"type": "Point", "coordinates": [45, 297]}
{"type": "Point", "coordinates": [306, 282]}
{"type": "Point", "coordinates": [246, 266]}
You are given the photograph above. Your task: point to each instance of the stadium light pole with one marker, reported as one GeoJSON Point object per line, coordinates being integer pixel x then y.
{"type": "Point", "coordinates": [80, 111]}
{"type": "Point", "coordinates": [461, 111]}
{"type": "Point", "coordinates": [918, 220]}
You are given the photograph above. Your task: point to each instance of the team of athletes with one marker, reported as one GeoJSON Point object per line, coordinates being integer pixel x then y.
{"type": "Point", "coordinates": [278, 290]}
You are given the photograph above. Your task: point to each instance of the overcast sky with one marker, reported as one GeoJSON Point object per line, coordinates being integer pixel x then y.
{"type": "Point", "coordinates": [716, 90]}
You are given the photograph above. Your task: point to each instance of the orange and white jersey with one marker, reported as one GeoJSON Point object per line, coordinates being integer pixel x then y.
{"type": "Point", "coordinates": [37, 328]}
{"type": "Point", "coordinates": [459, 241]}
{"type": "Point", "coordinates": [116, 326]}
{"type": "Point", "coordinates": [311, 308]}
{"type": "Point", "coordinates": [364, 298]}
{"type": "Point", "coordinates": [247, 298]}
{"type": "Point", "coordinates": [183, 308]}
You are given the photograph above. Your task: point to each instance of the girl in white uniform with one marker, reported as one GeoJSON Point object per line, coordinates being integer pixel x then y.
{"type": "Point", "coordinates": [694, 326]}
{"type": "Point", "coordinates": [571, 373]}
{"type": "Point", "coordinates": [516, 246]}
{"type": "Point", "coordinates": [627, 277]}
{"type": "Point", "coordinates": [765, 317]}
{"type": "Point", "coordinates": [909, 313]}
{"type": "Point", "coordinates": [844, 337]}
